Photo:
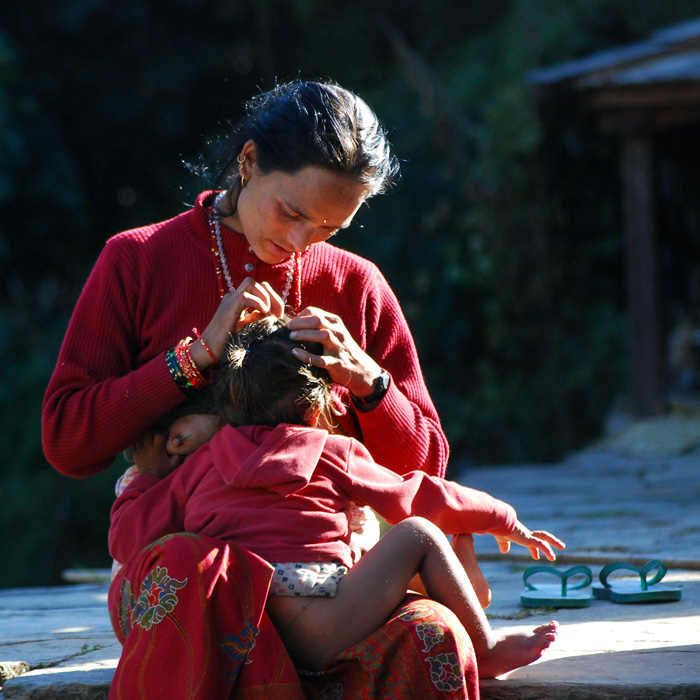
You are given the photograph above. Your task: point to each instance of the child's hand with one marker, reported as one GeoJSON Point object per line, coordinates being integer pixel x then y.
{"type": "Point", "coordinates": [150, 456]}
{"type": "Point", "coordinates": [537, 541]}
{"type": "Point", "coordinates": [189, 433]}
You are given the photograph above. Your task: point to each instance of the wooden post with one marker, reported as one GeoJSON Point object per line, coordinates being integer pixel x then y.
{"type": "Point", "coordinates": [645, 324]}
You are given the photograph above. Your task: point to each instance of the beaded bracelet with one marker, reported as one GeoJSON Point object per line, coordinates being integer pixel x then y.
{"type": "Point", "coordinates": [187, 364]}
{"type": "Point", "coordinates": [177, 374]}
{"type": "Point", "coordinates": [205, 346]}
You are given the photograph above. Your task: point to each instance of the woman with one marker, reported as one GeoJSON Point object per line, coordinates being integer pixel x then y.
{"type": "Point", "coordinates": [298, 167]}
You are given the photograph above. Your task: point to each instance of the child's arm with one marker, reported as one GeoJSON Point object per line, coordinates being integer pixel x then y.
{"type": "Point", "coordinates": [148, 508]}
{"type": "Point", "coordinates": [453, 508]}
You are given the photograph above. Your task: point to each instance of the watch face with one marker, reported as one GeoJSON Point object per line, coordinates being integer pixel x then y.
{"type": "Point", "coordinates": [381, 384]}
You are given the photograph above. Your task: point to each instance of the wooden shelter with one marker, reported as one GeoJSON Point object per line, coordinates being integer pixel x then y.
{"type": "Point", "coordinates": [648, 95]}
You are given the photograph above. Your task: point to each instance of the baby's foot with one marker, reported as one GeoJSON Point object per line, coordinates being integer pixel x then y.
{"type": "Point", "coordinates": [515, 650]}
{"type": "Point", "coordinates": [463, 546]}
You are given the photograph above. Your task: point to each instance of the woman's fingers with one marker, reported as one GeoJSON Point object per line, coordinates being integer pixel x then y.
{"type": "Point", "coordinates": [258, 296]}
{"type": "Point", "coordinates": [250, 301]}
{"type": "Point", "coordinates": [344, 360]}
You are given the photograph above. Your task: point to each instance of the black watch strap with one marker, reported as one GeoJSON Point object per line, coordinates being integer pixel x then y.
{"type": "Point", "coordinates": [379, 389]}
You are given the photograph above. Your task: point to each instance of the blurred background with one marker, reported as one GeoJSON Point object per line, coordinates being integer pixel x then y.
{"type": "Point", "coordinates": [503, 241]}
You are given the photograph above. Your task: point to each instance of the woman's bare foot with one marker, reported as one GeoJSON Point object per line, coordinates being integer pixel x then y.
{"type": "Point", "coordinates": [515, 650]}
{"type": "Point", "coordinates": [463, 546]}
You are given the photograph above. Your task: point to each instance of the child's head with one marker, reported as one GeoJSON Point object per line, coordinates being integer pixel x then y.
{"type": "Point", "coordinates": [260, 381]}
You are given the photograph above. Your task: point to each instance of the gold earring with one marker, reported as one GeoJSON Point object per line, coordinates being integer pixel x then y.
{"type": "Point", "coordinates": [241, 159]}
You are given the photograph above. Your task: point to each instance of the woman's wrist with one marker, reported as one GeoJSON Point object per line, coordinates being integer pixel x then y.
{"type": "Point", "coordinates": [200, 356]}
{"type": "Point", "coordinates": [378, 390]}
{"type": "Point", "coordinates": [187, 362]}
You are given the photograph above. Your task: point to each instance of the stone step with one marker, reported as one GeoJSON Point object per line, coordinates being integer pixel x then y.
{"type": "Point", "coordinates": [605, 506]}
{"type": "Point", "coordinates": [63, 636]}
{"type": "Point", "coordinates": [605, 651]}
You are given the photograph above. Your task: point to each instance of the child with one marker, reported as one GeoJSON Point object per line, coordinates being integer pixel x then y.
{"type": "Point", "coordinates": [276, 485]}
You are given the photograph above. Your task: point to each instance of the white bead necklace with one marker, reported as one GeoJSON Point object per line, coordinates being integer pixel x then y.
{"type": "Point", "coordinates": [215, 226]}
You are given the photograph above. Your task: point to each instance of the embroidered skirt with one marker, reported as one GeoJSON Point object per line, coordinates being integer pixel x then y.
{"type": "Point", "coordinates": [189, 611]}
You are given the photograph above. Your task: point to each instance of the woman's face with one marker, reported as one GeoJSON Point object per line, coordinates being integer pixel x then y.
{"type": "Point", "coordinates": [281, 213]}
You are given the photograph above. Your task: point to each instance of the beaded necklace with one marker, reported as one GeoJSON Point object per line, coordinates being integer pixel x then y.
{"type": "Point", "coordinates": [293, 274]}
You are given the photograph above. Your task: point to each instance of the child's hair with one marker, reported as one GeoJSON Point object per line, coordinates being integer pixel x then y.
{"type": "Point", "coordinates": [260, 381]}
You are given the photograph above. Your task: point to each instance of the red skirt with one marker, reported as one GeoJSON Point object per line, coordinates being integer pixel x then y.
{"type": "Point", "coordinates": [189, 611]}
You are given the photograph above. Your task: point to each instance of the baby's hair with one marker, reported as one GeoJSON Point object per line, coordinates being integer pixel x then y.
{"type": "Point", "coordinates": [261, 382]}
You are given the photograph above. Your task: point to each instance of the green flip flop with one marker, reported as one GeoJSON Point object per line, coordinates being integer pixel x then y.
{"type": "Point", "coordinates": [557, 595]}
{"type": "Point", "coordinates": [645, 590]}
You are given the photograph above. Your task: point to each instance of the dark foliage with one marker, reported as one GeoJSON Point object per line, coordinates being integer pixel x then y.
{"type": "Point", "coordinates": [502, 240]}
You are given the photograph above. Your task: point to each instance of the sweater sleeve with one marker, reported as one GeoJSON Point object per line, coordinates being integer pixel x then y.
{"type": "Point", "coordinates": [147, 509]}
{"type": "Point", "coordinates": [403, 433]}
{"type": "Point", "coordinates": [452, 507]}
{"type": "Point", "coordinates": [97, 402]}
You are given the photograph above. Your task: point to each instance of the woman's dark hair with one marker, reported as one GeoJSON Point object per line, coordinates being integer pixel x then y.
{"type": "Point", "coordinates": [300, 124]}
{"type": "Point", "coordinates": [261, 382]}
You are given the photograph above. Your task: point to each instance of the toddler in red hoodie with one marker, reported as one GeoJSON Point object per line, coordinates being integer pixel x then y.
{"type": "Point", "coordinates": [275, 482]}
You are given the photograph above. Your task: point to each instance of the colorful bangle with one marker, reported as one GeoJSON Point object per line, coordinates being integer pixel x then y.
{"type": "Point", "coordinates": [177, 374]}
{"type": "Point", "coordinates": [205, 346]}
{"type": "Point", "coordinates": [187, 364]}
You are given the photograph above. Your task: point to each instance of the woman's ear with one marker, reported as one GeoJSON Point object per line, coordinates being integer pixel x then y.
{"type": "Point", "coordinates": [250, 152]}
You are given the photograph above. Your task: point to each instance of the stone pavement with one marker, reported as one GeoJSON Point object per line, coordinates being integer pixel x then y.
{"type": "Point", "coordinates": [628, 500]}
{"type": "Point", "coordinates": [606, 507]}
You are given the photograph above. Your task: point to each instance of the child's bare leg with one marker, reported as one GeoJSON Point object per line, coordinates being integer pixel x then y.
{"type": "Point", "coordinates": [377, 584]}
{"type": "Point", "coordinates": [463, 546]}
{"type": "Point", "coordinates": [446, 581]}
{"type": "Point", "coordinates": [317, 631]}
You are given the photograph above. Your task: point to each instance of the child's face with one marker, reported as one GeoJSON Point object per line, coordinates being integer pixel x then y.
{"type": "Point", "coordinates": [189, 433]}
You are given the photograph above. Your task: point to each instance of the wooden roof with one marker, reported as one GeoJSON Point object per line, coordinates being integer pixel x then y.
{"type": "Point", "coordinates": [646, 85]}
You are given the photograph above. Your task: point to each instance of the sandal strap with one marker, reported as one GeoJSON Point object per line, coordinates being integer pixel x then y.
{"type": "Point", "coordinates": [641, 570]}
{"type": "Point", "coordinates": [563, 575]}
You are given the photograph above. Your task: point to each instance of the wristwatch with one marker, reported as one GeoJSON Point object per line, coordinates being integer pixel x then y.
{"type": "Point", "coordinates": [379, 388]}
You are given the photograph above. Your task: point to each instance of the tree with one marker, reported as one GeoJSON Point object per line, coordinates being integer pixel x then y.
{"type": "Point", "coordinates": [501, 240]}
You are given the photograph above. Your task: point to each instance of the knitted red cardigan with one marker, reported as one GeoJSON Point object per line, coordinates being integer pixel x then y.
{"type": "Point", "coordinates": [152, 285]}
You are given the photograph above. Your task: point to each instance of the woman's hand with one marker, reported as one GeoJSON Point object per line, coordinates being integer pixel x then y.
{"type": "Point", "coordinates": [536, 541]}
{"type": "Point", "coordinates": [250, 301]}
{"type": "Point", "coordinates": [343, 359]}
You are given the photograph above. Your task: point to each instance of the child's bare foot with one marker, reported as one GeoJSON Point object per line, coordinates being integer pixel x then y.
{"type": "Point", "coordinates": [463, 546]}
{"type": "Point", "coordinates": [515, 650]}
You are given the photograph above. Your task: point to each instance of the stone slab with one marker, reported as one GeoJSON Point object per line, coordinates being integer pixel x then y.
{"type": "Point", "coordinates": [604, 651]}
{"type": "Point", "coordinates": [606, 507]}
{"type": "Point", "coordinates": [63, 634]}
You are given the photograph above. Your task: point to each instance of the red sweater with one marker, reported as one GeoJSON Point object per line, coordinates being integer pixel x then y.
{"type": "Point", "coordinates": [148, 289]}
{"type": "Point", "coordinates": [284, 493]}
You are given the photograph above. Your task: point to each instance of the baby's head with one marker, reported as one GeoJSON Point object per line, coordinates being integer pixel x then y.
{"type": "Point", "coordinates": [260, 381]}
